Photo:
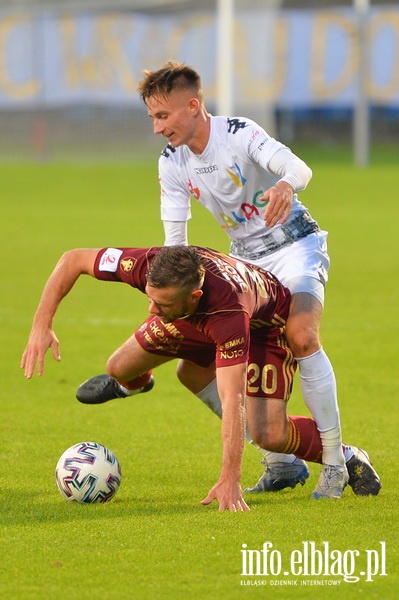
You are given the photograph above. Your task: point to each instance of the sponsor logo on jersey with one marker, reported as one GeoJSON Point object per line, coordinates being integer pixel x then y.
{"type": "Point", "coordinates": [206, 170]}
{"type": "Point", "coordinates": [244, 213]}
{"type": "Point", "coordinates": [231, 354]}
{"type": "Point", "coordinates": [109, 260]}
{"type": "Point", "coordinates": [235, 125]}
{"type": "Point", "coordinates": [168, 150]}
{"type": "Point", "coordinates": [194, 190]}
{"type": "Point", "coordinates": [232, 344]}
{"type": "Point", "coordinates": [238, 178]}
{"type": "Point", "coordinates": [161, 336]}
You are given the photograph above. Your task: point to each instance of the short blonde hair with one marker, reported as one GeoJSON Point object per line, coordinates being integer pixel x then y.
{"type": "Point", "coordinates": [172, 77]}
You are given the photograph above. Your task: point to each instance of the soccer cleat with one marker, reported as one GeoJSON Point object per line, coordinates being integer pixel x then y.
{"type": "Point", "coordinates": [363, 478]}
{"type": "Point", "coordinates": [332, 481]}
{"type": "Point", "coordinates": [102, 388]}
{"type": "Point", "coordinates": [280, 475]}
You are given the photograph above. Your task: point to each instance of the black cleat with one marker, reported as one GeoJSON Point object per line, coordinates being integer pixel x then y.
{"type": "Point", "coordinates": [363, 478]}
{"type": "Point", "coordinates": [101, 388]}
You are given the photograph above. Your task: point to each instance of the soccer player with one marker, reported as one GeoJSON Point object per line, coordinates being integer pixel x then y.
{"type": "Point", "coordinates": [249, 182]}
{"type": "Point", "coordinates": [221, 317]}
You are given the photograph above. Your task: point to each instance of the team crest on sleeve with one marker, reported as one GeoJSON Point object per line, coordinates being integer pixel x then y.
{"type": "Point", "coordinates": [109, 260]}
{"type": "Point", "coordinates": [127, 264]}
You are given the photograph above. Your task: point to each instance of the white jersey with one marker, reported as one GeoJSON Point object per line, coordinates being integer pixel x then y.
{"type": "Point", "coordinates": [239, 163]}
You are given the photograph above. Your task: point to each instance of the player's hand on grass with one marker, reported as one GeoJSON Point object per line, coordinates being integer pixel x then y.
{"type": "Point", "coordinates": [38, 344]}
{"type": "Point", "coordinates": [229, 496]}
{"type": "Point", "coordinates": [279, 202]}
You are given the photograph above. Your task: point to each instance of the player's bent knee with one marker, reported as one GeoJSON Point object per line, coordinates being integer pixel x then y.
{"type": "Point", "coordinates": [116, 368]}
{"type": "Point", "coordinates": [274, 441]}
{"type": "Point", "coordinates": [303, 342]}
{"type": "Point", "coordinates": [112, 371]}
{"type": "Point", "coordinates": [183, 374]}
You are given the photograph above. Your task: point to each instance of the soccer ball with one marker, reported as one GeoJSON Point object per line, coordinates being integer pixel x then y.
{"type": "Point", "coordinates": [88, 472]}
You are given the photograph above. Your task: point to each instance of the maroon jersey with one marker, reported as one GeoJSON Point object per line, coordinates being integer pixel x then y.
{"type": "Point", "coordinates": [240, 303]}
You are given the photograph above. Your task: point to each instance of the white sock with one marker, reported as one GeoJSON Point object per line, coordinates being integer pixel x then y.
{"type": "Point", "coordinates": [210, 397]}
{"type": "Point", "coordinates": [128, 392]}
{"type": "Point", "coordinates": [319, 390]}
{"type": "Point", "coordinates": [276, 457]}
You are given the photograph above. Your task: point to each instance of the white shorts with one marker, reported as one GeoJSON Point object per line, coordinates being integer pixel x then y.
{"type": "Point", "coordinates": [302, 266]}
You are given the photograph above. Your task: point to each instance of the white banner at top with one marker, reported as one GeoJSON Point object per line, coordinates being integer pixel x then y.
{"type": "Point", "coordinates": [308, 58]}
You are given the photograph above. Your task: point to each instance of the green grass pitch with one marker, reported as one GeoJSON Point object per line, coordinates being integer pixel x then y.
{"type": "Point", "coordinates": [154, 540]}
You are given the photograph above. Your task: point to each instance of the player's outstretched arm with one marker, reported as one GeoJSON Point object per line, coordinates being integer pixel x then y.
{"type": "Point", "coordinates": [42, 337]}
{"type": "Point", "coordinates": [232, 387]}
{"type": "Point", "coordinates": [40, 340]}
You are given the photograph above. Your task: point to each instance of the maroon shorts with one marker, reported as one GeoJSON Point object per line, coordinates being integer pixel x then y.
{"type": "Point", "coordinates": [184, 342]}
{"type": "Point", "coordinates": [271, 368]}
{"type": "Point", "coordinates": [271, 365]}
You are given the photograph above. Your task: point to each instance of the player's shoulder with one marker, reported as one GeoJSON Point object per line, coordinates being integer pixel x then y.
{"type": "Point", "coordinates": [240, 131]}
{"type": "Point", "coordinates": [170, 161]}
{"type": "Point", "coordinates": [173, 159]}
{"type": "Point", "coordinates": [232, 125]}
{"type": "Point", "coordinates": [168, 152]}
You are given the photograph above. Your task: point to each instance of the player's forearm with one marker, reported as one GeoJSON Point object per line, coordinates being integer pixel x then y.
{"type": "Point", "coordinates": [291, 169]}
{"type": "Point", "coordinates": [175, 233]}
{"type": "Point", "coordinates": [232, 390]}
{"type": "Point", "coordinates": [59, 284]}
{"type": "Point", "coordinates": [233, 438]}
